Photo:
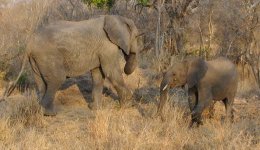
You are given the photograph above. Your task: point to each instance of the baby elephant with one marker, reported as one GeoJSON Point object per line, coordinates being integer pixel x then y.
{"type": "Point", "coordinates": [205, 82]}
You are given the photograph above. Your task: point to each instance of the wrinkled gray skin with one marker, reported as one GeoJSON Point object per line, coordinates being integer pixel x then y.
{"type": "Point", "coordinates": [206, 82]}
{"type": "Point", "coordinates": [68, 49]}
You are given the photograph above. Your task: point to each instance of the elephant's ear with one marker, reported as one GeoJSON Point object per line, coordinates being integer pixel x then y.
{"type": "Point", "coordinates": [120, 31]}
{"type": "Point", "coordinates": [197, 68]}
{"type": "Point", "coordinates": [133, 35]}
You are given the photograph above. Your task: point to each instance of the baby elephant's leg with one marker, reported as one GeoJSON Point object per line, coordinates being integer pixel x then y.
{"type": "Point", "coordinates": [229, 108]}
{"type": "Point", "coordinates": [203, 102]}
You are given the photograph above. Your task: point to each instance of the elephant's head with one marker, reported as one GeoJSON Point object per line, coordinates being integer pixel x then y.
{"type": "Point", "coordinates": [188, 72]}
{"type": "Point", "coordinates": [123, 32]}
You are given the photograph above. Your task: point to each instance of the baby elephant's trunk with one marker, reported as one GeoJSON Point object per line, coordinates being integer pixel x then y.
{"type": "Point", "coordinates": [164, 88]}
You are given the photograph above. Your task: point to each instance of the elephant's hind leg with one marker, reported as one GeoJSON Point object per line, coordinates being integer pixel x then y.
{"type": "Point", "coordinates": [48, 98]}
{"type": "Point", "coordinates": [40, 84]}
{"type": "Point", "coordinates": [53, 77]}
{"type": "Point", "coordinates": [97, 80]}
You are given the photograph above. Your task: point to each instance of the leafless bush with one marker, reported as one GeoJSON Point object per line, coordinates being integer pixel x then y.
{"type": "Point", "coordinates": [18, 22]}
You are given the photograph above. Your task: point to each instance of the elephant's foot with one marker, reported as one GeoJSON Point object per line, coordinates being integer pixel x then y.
{"type": "Point", "coordinates": [197, 122]}
{"type": "Point", "coordinates": [196, 119]}
{"type": "Point", "coordinates": [49, 112]}
{"type": "Point", "coordinates": [94, 106]}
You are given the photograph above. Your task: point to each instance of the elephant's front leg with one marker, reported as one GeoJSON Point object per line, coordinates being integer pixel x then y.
{"type": "Point", "coordinates": [204, 98]}
{"type": "Point", "coordinates": [112, 71]}
{"type": "Point", "coordinates": [97, 80]}
{"type": "Point", "coordinates": [124, 96]}
{"type": "Point", "coordinates": [123, 92]}
{"type": "Point", "coordinates": [192, 98]}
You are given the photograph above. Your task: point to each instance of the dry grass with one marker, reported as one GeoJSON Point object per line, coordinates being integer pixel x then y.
{"type": "Point", "coordinates": [76, 127]}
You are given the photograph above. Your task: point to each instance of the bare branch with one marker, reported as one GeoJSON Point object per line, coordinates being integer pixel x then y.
{"type": "Point", "coordinates": [186, 5]}
{"type": "Point", "coordinates": [149, 5]}
{"type": "Point", "coordinates": [254, 5]}
{"type": "Point", "coordinates": [192, 11]}
{"type": "Point", "coordinates": [193, 7]}
{"type": "Point", "coordinates": [72, 4]}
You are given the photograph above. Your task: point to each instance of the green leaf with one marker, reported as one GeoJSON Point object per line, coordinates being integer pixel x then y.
{"type": "Point", "coordinates": [143, 2]}
{"type": "Point", "coordinates": [100, 3]}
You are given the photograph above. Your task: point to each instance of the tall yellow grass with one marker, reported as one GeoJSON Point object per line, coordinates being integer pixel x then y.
{"type": "Point", "coordinates": [25, 128]}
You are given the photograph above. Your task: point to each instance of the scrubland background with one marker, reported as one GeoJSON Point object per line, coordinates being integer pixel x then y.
{"type": "Point", "coordinates": [172, 30]}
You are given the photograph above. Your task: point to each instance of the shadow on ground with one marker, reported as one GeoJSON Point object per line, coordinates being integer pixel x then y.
{"type": "Point", "coordinates": [84, 83]}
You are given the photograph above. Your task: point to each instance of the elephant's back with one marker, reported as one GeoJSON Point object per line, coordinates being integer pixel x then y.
{"type": "Point", "coordinates": [76, 42]}
{"type": "Point", "coordinates": [223, 66]}
{"type": "Point", "coordinates": [71, 29]}
{"type": "Point", "coordinates": [224, 70]}
{"type": "Point", "coordinates": [73, 36]}
{"type": "Point", "coordinates": [223, 76]}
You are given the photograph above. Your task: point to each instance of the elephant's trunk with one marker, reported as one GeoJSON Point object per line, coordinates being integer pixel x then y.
{"type": "Point", "coordinates": [131, 63]}
{"type": "Point", "coordinates": [164, 88]}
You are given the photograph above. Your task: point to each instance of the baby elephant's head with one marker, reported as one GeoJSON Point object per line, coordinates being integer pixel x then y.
{"type": "Point", "coordinates": [188, 72]}
{"type": "Point", "coordinates": [176, 76]}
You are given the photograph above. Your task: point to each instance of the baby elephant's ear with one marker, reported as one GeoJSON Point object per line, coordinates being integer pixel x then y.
{"type": "Point", "coordinates": [118, 32]}
{"type": "Point", "coordinates": [197, 68]}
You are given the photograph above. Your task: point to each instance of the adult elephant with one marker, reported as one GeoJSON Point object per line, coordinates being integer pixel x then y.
{"type": "Point", "coordinates": [67, 49]}
{"type": "Point", "coordinates": [205, 81]}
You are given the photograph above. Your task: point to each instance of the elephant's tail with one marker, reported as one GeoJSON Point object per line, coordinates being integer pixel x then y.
{"type": "Point", "coordinates": [10, 88]}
